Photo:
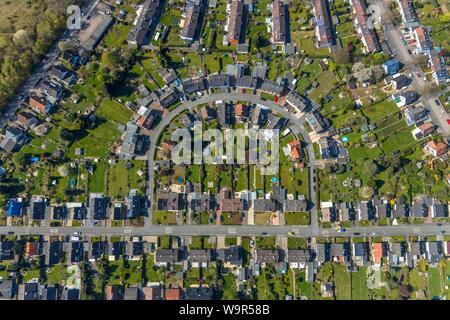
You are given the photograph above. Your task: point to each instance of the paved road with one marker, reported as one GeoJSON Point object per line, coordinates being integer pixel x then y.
{"type": "Point", "coordinates": [40, 70]}
{"type": "Point", "coordinates": [393, 36]}
{"type": "Point", "coordinates": [240, 230]}
{"type": "Point", "coordinates": [231, 96]}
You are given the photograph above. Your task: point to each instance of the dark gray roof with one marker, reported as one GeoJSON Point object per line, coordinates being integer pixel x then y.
{"type": "Point", "coordinates": [6, 250]}
{"type": "Point", "coordinates": [94, 38]}
{"type": "Point", "coordinates": [132, 293]}
{"type": "Point", "coordinates": [168, 98]}
{"type": "Point", "coordinates": [53, 252]}
{"type": "Point", "coordinates": [382, 208]}
{"type": "Point", "coordinates": [324, 25]}
{"type": "Point", "coordinates": [439, 210]}
{"type": "Point", "coordinates": [170, 201]}
{"type": "Point", "coordinates": [401, 210]}
{"type": "Point", "coordinates": [279, 21]}
{"type": "Point", "coordinates": [419, 210]}
{"type": "Point", "coordinates": [98, 206]}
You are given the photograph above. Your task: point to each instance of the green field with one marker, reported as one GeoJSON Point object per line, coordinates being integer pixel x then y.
{"type": "Point", "coordinates": [114, 111]}
{"type": "Point", "coordinates": [399, 141]}
{"type": "Point", "coordinates": [297, 218]}
{"type": "Point", "coordinates": [380, 111]}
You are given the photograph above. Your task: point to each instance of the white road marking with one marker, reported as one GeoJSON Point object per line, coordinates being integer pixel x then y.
{"type": "Point", "coordinates": [416, 230]}
{"type": "Point", "coordinates": [231, 230]}
{"type": "Point", "coordinates": [169, 230]}
{"type": "Point", "coordinates": [127, 230]}
{"type": "Point", "coordinates": [54, 230]}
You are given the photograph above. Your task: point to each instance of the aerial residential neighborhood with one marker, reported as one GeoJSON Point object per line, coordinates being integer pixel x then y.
{"type": "Point", "coordinates": [225, 150]}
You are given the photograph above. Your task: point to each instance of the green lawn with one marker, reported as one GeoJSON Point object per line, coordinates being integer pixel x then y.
{"type": "Point", "coordinates": [31, 274]}
{"type": "Point", "coordinates": [327, 82]}
{"type": "Point", "coordinates": [417, 280]}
